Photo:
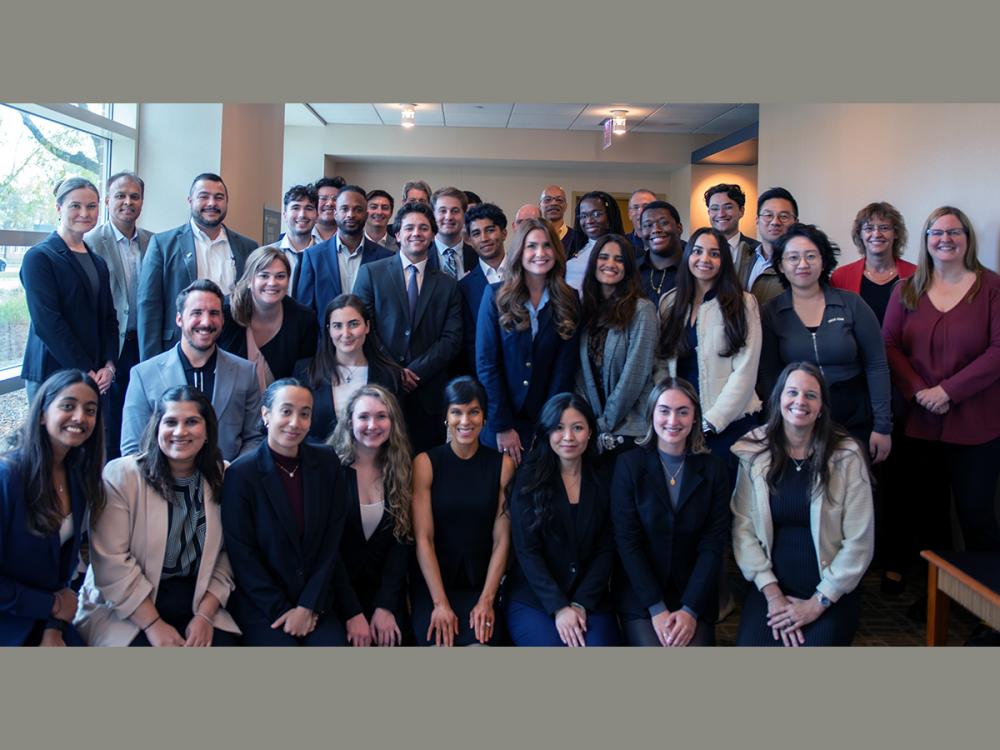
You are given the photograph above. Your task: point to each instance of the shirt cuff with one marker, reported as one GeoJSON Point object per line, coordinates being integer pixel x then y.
{"type": "Point", "coordinates": [657, 609]}
{"type": "Point", "coordinates": [690, 611]}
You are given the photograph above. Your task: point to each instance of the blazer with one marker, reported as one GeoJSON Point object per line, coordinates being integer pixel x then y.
{"type": "Point", "coordinates": [626, 376]}
{"type": "Point", "coordinates": [472, 286]}
{"type": "Point", "coordinates": [294, 341]}
{"type": "Point", "coordinates": [842, 525]}
{"type": "Point", "coordinates": [324, 415]}
{"type": "Point", "coordinates": [318, 274]}
{"type": "Point", "coordinates": [563, 563]}
{"type": "Point", "coordinates": [767, 285]}
{"type": "Point", "coordinates": [32, 568]}
{"type": "Point", "coordinates": [70, 327]}
{"type": "Point", "coordinates": [520, 373]}
{"type": "Point", "coordinates": [470, 258]}
{"type": "Point", "coordinates": [168, 266]}
{"type": "Point", "coordinates": [426, 345]}
{"type": "Point", "coordinates": [849, 277]}
{"type": "Point", "coordinates": [102, 240]}
{"type": "Point", "coordinates": [669, 556]}
{"type": "Point", "coordinates": [276, 569]}
{"type": "Point", "coordinates": [128, 543]}
{"type": "Point", "coordinates": [725, 384]}
{"type": "Point", "coordinates": [236, 400]}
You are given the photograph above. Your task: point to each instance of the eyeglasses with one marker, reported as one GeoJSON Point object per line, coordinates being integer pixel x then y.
{"type": "Point", "coordinates": [595, 214]}
{"type": "Point", "coordinates": [883, 228]}
{"type": "Point", "coordinates": [659, 224]}
{"type": "Point", "coordinates": [793, 260]}
{"type": "Point", "coordinates": [553, 199]}
{"type": "Point", "coordinates": [942, 232]}
{"type": "Point", "coordinates": [784, 217]}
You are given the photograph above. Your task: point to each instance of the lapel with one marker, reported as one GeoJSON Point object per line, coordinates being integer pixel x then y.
{"type": "Point", "coordinates": [655, 480]}
{"type": "Point", "coordinates": [276, 495]}
{"type": "Point", "coordinates": [544, 319]}
{"type": "Point", "coordinates": [314, 498]}
{"type": "Point", "coordinates": [171, 369]}
{"type": "Point", "coordinates": [225, 381]}
{"type": "Point", "coordinates": [157, 526]}
{"type": "Point", "coordinates": [327, 258]}
{"type": "Point", "coordinates": [144, 236]}
{"type": "Point", "coordinates": [110, 254]}
{"type": "Point", "coordinates": [692, 479]}
{"type": "Point", "coordinates": [565, 516]}
{"type": "Point", "coordinates": [185, 245]}
{"type": "Point", "coordinates": [395, 271]}
{"type": "Point", "coordinates": [612, 342]}
{"type": "Point", "coordinates": [67, 254]}
{"type": "Point", "coordinates": [369, 251]}
{"type": "Point", "coordinates": [470, 259]}
{"type": "Point", "coordinates": [426, 293]}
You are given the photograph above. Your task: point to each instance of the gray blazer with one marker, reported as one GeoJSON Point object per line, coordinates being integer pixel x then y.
{"type": "Point", "coordinates": [626, 376]}
{"type": "Point", "coordinates": [102, 241]}
{"type": "Point", "coordinates": [236, 400]}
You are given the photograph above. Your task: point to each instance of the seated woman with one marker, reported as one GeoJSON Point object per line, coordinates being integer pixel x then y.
{"type": "Point", "coordinates": [158, 575]}
{"type": "Point", "coordinates": [262, 323]}
{"type": "Point", "coordinates": [48, 480]}
{"type": "Point", "coordinates": [670, 506]}
{"type": "Point", "coordinates": [283, 513]}
{"type": "Point", "coordinates": [561, 528]}
{"type": "Point", "coordinates": [803, 528]}
{"type": "Point", "coordinates": [372, 444]}
{"type": "Point", "coordinates": [348, 357]}
{"type": "Point", "coordinates": [618, 339]}
{"type": "Point", "coordinates": [461, 529]}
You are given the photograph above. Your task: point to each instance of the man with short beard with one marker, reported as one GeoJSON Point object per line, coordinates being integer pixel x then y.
{"type": "Point", "coordinates": [660, 225]}
{"type": "Point", "coordinates": [203, 248]}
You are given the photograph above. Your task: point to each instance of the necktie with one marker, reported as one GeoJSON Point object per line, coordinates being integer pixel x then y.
{"type": "Point", "coordinates": [450, 265]}
{"type": "Point", "coordinates": [411, 291]}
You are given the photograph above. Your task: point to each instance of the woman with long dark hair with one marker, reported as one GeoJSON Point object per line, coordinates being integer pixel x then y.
{"type": "Point", "coordinates": [597, 214]}
{"type": "Point", "coordinates": [48, 480]}
{"type": "Point", "coordinates": [803, 530]}
{"type": "Point", "coordinates": [564, 549]}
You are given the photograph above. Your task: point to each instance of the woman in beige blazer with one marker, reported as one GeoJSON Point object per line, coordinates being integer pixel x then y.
{"type": "Point", "coordinates": [158, 574]}
{"type": "Point", "coordinates": [803, 529]}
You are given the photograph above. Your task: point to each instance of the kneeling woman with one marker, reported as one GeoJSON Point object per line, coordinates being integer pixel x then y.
{"type": "Point", "coordinates": [283, 512]}
{"type": "Point", "coordinates": [670, 505]}
{"type": "Point", "coordinates": [158, 575]}
{"type": "Point", "coordinates": [462, 531]}
{"type": "Point", "coordinates": [561, 529]}
{"type": "Point", "coordinates": [803, 527]}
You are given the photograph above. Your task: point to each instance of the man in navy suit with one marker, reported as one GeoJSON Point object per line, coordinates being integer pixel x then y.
{"type": "Point", "coordinates": [418, 319]}
{"type": "Point", "coordinates": [452, 254]}
{"type": "Point", "coordinates": [299, 212]}
{"type": "Point", "coordinates": [486, 226]}
{"type": "Point", "coordinates": [330, 268]}
{"type": "Point", "coordinates": [203, 248]}
{"type": "Point", "coordinates": [327, 189]}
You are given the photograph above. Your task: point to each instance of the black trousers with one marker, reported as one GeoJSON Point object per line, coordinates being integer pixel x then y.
{"type": "Point", "coordinates": [173, 603]}
{"type": "Point", "coordinates": [127, 359]}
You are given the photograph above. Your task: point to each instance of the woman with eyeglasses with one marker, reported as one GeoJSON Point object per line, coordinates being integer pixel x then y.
{"type": "Point", "coordinates": [597, 214]}
{"type": "Point", "coordinates": [835, 330]}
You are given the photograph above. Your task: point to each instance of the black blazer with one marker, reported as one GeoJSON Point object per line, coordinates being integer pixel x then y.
{"type": "Point", "coordinates": [427, 345]}
{"type": "Point", "coordinates": [274, 569]}
{"type": "Point", "coordinates": [472, 286]}
{"type": "Point", "coordinates": [470, 258]}
{"type": "Point", "coordinates": [294, 341]}
{"type": "Point", "coordinates": [670, 556]}
{"type": "Point", "coordinates": [376, 567]}
{"type": "Point", "coordinates": [70, 327]}
{"type": "Point", "coordinates": [563, 562]}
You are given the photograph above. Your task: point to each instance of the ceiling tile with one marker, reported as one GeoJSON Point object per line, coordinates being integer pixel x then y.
{"type": "Point", "coordinates": [543, 122]}
{"type": "Point", "coordinates": [297, 114]}
{"type": "Point", "coordinates": [548, 110]}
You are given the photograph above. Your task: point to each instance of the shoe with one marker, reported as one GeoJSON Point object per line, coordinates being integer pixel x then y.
{"type": "Point", "coordinates": [918, 610]}
{"type": "Point", "coordinates": [892, 584]}
{"type": "Point", "coordinates": [983, 635]}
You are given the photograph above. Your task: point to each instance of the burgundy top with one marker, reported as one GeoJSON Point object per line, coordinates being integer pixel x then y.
{"type": "Point", "coordinates": [958, 350]}
{"type": "Point", "coordinates": [292, 486]}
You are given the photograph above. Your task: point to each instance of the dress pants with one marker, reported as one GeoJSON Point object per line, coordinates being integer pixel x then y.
{"type": "Point", "coordinates": [529, 626]}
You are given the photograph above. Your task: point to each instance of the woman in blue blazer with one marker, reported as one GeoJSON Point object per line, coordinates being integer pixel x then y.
{"type": "Point", "coordinates": [68, 291]}
{"type": "Point", "coordinates": [47, 482]}
{"type": "Point", "coordinates": [526, 337]}
{"type": "Point", "coordinates": [671, 517]}
{"type": "Point", "coordinates": [283, 515]}
{"type": "Point", "coordinates": [561, 531]}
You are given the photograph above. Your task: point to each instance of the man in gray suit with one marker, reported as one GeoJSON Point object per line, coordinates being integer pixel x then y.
{"type": "Point", "coordinates": [122, 245]}
{"type": "Point", "coordinates": [230, 381]}
{"type": "Point", "coordinates": [203, 248]}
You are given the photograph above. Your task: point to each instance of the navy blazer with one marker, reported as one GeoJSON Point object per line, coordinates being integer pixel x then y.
{"type": "Point", "coordinates": [295, 340]}
{"type": "Point", "coordinates": [673, 556]}
{"type": "Point", "coordinates": [520, 373]}
{"type": "Point", "coordinates": [318, 273]}
{"type": "Point", "coordinates": [168, 266]}
{"type": "Point", "coordinates": [274, 568]}
{"type": "Point", "coordinates": [470, 258]}
{"type": "Point", "coordinates": [472, 286]}
{"type": "Point", "coordinates": [563, 562]}
{"type": "Point", "coordinates": [70, 328]}
{"type": "Point", "coordinates": [32, 568]}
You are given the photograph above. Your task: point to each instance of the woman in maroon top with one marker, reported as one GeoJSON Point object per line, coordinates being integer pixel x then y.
{"type": "Point", "coordinates": [942, 338]}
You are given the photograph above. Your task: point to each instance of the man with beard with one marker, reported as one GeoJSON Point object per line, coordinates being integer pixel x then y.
{"type": "Point", "coordinates": [229, 381]}
{"type": "Point", "coordinates": [327, 190]}
{"type": "Point", "coordinates": [777, 210]}
{"type": "Point", "coordinates": [451, 253]}
{"type": "Point", "coordinates": [299, 213]}
{"type": "Point", "coordinates": [552, 204]}
{"type": "Point", "coordinates": [380, 206]}
{"type": "Point", "coordinates": [486, 226]}
{"type": "Point", "coordinates": [660, 225]}
{"type": "Point", "coordinates": [203, 248]}
{"type": "Point", "coordinates": [726, 205]}
{"type": "Point", "coordinates": [329, 268]}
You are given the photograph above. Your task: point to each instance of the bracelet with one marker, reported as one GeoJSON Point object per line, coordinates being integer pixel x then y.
{"type": "Point", "coordinates": [151, 624]}
{"type": "Point", "coordinates": [206, 618]}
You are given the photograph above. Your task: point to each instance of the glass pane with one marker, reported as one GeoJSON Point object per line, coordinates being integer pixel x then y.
{"type": "Point", "coordinates": [13, 308]}
{"type": "Point", "coordinates": [13, 411]}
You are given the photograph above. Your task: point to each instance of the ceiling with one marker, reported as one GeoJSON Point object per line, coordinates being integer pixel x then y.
{"type": "Point", "coordinates": [708, 119]}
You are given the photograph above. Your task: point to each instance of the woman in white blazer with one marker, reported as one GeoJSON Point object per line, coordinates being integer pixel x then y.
{"type": "Point", "coordinates": [803, 529]}
{"type": "Point", "coordinates": [158, 575]}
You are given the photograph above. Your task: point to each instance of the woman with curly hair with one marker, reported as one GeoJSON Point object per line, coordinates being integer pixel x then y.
{"type": "Point", "coordinates": [597, 214]}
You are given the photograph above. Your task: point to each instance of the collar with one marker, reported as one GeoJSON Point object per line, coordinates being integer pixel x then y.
{"type": "Point", "coordinates": [377, 242]}
{"type": "Point", "coordinates": [119, 236]}
{"type": "Point", "coordinates": [441, 246]}
{"type": "Point", "coordinates": [832, 298]}
{"type": "Point", "coordinates": [541, 302]}
{"type": "Point", "coordinates": [188, 367]}
{"type": "Point", "coordinates": [346, 249]}
{"type": "Point", "coordinates": [406, 263]}
{"type": "Point", "coordinates": [286, 244]}
{"type": "Point", "coordinates": [200, 234]}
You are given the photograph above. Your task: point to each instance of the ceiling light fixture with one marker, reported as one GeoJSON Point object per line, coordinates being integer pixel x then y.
{"type": "Point", "coordinates": [409, 116]}
{"type": "Point", "coordinates": [618, 125]}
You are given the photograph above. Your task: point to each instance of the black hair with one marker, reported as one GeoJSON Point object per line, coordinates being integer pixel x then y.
{"type": "Point", "coordinates": [334, 182]}
{"type": "Point", "coordinates": [354, 189]}
{"type": "Point", "coordinates": [485, 211]}
{"type": "Point", "coordinates": [828, 251]}
{"type": "Point", "coordinates": [414, 207]}
{"type": "Point", "coordinates": [300, 192]}
{"type": "Point", "coordinates": [776, 193]}
{"type": "Point", "coordinates": [323, 367]}
{"type": "Point", "coordinates": [381, 194]}
{"type": "Point", "coordinates": [464, 390]}
{"type": "Point", "coordinates": [735, 192]}
{"type": "Point", "coordinates": [668, 207]}
{"type": "Point", "coordinates": [208, 177]}
{"type": "Point", "coordinates": [471, 197]}
{"type": "Point", "coordinates": [615, 225]}
{"type": "Point", "coordinates": [126, 174]}
{"type": "Point", "coordinates": [198, 285]}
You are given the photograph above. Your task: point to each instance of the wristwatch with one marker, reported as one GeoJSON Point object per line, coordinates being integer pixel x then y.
{"type": "Point", "coordinates": [824, 601]}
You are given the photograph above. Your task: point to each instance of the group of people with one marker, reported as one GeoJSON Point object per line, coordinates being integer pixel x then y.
{"type": "Point", "coordinates": [383, 433]}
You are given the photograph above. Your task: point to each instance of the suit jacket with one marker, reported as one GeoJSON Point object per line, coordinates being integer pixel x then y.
{"type": "Point", "coordinates": [573, 239]}
{"type": "Point", "coordinates": [669, 556]}
{"type": "Point", "coordinates": [236, 400]}
{"type": "Point", "coordinates": [470, 258]}
{"type": "Point", "coordinates": [426, 345]}
{"type": "Point", "coordinates": [318, 275]}
{"type": "Point", "coordinates": [128, 543]}
{"type": "Point", "coordinates": [472, 286]}
{"type": "Point", "coordinates": [70, 327]}
{"type": "Point", "coordinates": [563, 562]}
{"type": "Point", "coordinates": [294, 341]}
{"type": "Point", "coordinates": [168, 266]}
{"type": "Point", "coordinates": [276, 569]}
{"type": "Point", "coordinates": [102, 240]}
{"type": "Point", "coordinates": [767, 285]}
{"type": "Point", "coordinates": [32, 568]}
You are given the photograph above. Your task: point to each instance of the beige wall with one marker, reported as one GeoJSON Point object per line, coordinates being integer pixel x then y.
{"type": "Point", "coordinates": [703, 176]}
{"type": "Point", "coordinates": [835, 158]}
{"type": "Point", "coordinates": [252, 157]}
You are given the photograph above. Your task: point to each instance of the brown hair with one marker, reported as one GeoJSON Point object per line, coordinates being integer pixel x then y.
{"type": "Point", "coordinates": [913, 288]}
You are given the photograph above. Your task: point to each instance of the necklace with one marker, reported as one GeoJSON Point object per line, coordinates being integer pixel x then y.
{"type": "Point", "coordinates": [799, 463]}
{"type": "Point", "coordinates": [349, 372]}
{"type": "Point", "coordinates": [673, 475]}
{"type": "Point", "coordinates": [291, 474]}
{"type": "Point", "coordinates": [663, 277]}
{"type": "Point", "coordinates": [880, 275]}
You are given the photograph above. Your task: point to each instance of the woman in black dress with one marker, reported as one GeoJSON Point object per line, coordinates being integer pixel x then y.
{"type": "Point", "coordinates": [803, 529]}
{"type": "Point", "coordinates": [462, 532]}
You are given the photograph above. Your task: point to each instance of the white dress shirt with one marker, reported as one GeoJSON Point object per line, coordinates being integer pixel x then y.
{"type": "Point", "coordinates": [214, 258]}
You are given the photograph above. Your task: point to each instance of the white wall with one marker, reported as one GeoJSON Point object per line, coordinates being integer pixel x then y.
{"type": "Point", "coordinates": [835, 158]}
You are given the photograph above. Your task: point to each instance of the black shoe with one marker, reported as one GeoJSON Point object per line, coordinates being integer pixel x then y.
{"type": "Point", "coordinates": [918, 610]}
{"type": "Point", "coordinates": [983, 635]}
{"type": "Point", "coordinates": [893, 583]}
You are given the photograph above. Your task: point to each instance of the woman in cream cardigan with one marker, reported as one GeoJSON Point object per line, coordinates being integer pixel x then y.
{"type": "Point", "coordinates": [158, 575]}
{"type": "Point", "coordinates": [803, 529]}
{"type": "Point", "coordinates": [710, 335]}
